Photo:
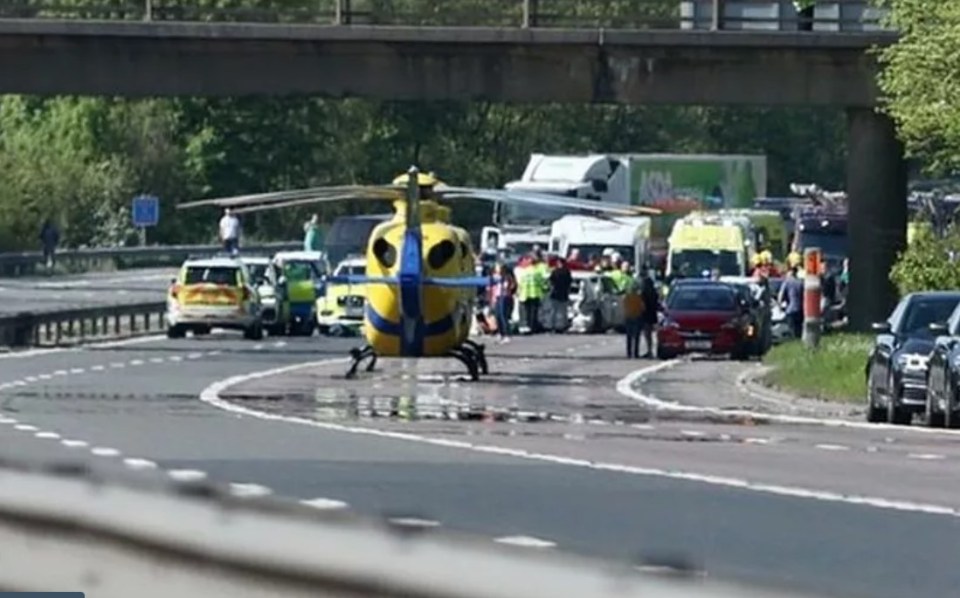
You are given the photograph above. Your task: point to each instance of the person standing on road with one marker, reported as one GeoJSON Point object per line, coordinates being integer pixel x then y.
{"type": "Point", "coordinates": [791, 298]}
{"type": "Point", "coordinates": [502, 293]}
{"type": "Point", "coordinates": [311, 234]}
{"type": "Point", "coordinates": [230, 232]}
{"type": "Point", "coordinates": [648, 321]}
{"type": "Point", "coordinates": [633, 310]}
{"type": "Point", "coordinates": [49, 237]}
{"type": "Point", "coordinates": [560, 282]}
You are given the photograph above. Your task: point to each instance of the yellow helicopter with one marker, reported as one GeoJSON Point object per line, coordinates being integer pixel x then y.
{"type": "Point", "coordinates": [420, 278]}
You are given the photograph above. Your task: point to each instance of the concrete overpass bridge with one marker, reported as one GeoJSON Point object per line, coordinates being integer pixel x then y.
{"type": "Point", "coordinates": [765, 61]}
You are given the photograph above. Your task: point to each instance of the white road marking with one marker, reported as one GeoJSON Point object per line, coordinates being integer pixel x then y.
{"type": "Point", "coordinates": [49, 435]}
{"type": "Point", "coordinates": [31, 378]}
{"type": "Point", "coordinates": [626, 387]}
{"type": "Point", "coordinates": [258, 347]}
{"type": "Point", "coordinates": [7, 420]}
{"type": "Point", "coordinates": [249, 490]}
{"type": "Point", "coordinates": [212, 353]}
{"type": "Point", "coordinates": [157, 360]}
{"type": "Point", "coordinates": [105, 451]}
{"type": "Point", "coordinates": [526, 541]}
{"type": "Point", "coordinates": [693, 433]}
{"type": "Point", "coordinates": [77, 370]}
{"type": "Point", "coordinates": [926, 456]}
{"type": "Point", "coordinates": [25, 428]}
{"type": "Point", "coordinates": [414, 522]}
{"type": "Point", "coordinates": [134, 463]}
{"type": "Point", "coordinates": [44, 377]}
{"type": "Point", "coordinates": [325, 503]}
{"type": "Point", "coordinates": [187, 475]}
{"type": "Point", "coordinates": [279, 344]}
{"type": "Point", "coordinates": [118, 365]}
{"type": "Point", "coordinates": [74, 443]}
{"type": "Point", "coordinates": [175, 358]}
{"type": "Point", "coordinates": [195, 356]}
{"type": "Point", "coordinates": [832, 447]}
{"type": "Point", "coordinates": [60, 373]}
{"type": "Point", "coordinates": [210, 395]}
{"type": "Point", "coordinates": [756, 440]}
{"type": "Point", "coordinates": [136, 362]}
{"type": "Point", "coordinates": [140, 340]}
{"type": "Point", "coordinates": [97, 368]}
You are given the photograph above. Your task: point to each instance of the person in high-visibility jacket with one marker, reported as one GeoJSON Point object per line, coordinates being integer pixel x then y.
{"type": "Point", "coordinates": [620, 277]}
{"type": "Point", "coordinates": [532, 282]}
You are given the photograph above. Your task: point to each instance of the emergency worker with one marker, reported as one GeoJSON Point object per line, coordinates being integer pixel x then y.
{"type": "Point", "coordinates": [531, 285]}
{"type": "Point", "coordinates": [561, 282]}
{"type": "Point", "coordinates": [633, 310]}
{"type": "Point", "coordinates": [621, 277]}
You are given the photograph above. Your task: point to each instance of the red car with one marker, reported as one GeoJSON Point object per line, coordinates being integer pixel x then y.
{"type": "Point", "coordinates": [704, 317]}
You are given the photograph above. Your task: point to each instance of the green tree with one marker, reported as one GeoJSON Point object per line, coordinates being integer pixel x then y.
{"type": "Point", "coordinates": [929, 263]}
{"type": "Point", "coordinates": [919, 80]}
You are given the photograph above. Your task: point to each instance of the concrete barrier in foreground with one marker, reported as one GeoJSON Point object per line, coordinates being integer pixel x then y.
{"type": "Point", "coordinates": [148, 537]}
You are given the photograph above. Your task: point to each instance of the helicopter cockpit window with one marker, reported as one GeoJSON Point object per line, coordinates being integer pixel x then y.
{"type": "Point", "coordinates": [441, 253]}
{"type": "Point", "coordinates": [385, 253]}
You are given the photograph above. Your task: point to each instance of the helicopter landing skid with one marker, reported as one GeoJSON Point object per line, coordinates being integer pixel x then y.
{"type": "Point", "coordinates": [358, 355]}
{"type": "Point", "coordinates": [472, 355]}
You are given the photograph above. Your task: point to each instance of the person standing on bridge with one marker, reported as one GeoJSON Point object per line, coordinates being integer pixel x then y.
{"type": "Point", "coordinates": [805, 10]}
{"type": "Point", "coordinates": [230, 232]}
{"type": "Point", "coordinates": [311, 234]}
{"type": "Point", "coordinates": [49, 237]}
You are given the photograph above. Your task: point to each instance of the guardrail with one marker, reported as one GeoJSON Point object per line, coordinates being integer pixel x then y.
{"type": "Point", "coordinates": [64, 529]}
{"type": "Point", "coordinates": [835, 15]}
{"type": "Point", "coordinates": [73, 326]}
{"type": "Point", "coordinates": [27, 262]}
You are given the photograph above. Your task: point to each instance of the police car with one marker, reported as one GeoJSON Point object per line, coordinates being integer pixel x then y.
{"type": "Point", "coordinates": [274, 308]}
{"type": "Point", "coordinates": [215, 292]}
{"type": "Point", "coordinates": [341, 308]}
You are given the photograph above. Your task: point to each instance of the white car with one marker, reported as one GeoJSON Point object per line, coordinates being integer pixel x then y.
{"type": "Point", "coordinates": [340, 309]}
{"type": "Point", "coordinates": [213, 293]}
{"type": "Point", "coordinates": [595, 304]}
{"type": "Point", "coordinates": [264, 275]}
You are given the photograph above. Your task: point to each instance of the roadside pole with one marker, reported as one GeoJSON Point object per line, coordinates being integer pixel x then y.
{"type": "Point", "coordinates": [811, 298]}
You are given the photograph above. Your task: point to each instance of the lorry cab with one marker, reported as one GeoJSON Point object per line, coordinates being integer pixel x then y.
{"type": "Point", "coordinates": [702, 242]}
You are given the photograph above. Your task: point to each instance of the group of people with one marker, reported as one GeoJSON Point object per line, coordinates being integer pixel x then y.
{"type": "Point", "coordinates": [229, 233]}
{"type": "Point", "coordinates": [537, 280]}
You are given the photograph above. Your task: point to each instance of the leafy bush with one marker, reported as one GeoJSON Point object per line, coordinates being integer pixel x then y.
{"type": "Point", "coordinates": [929, 263]}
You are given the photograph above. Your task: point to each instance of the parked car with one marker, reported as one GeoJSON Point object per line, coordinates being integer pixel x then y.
{"type": "Point", "coordinates": [704, 317]}
{"type": "Point", "coordinates": [896, 370]}
{"type": "Point", "coordinates": [942, 407]}
{"type": "Point", "coordinates": [753, 293]}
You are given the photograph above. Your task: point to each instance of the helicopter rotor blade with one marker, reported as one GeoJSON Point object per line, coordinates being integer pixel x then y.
{"type": "Point", "coordinates": [305, 201]}
{"type": "Point", "coordinates": [384, 192]}
{"type": "Point", "coordinates": [544, 199]}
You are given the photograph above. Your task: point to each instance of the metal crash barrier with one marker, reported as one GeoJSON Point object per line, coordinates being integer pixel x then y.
{"type": "Point", "coordinates": [64, 530]}
{"type": "Point", "coordinates": [72, 326]}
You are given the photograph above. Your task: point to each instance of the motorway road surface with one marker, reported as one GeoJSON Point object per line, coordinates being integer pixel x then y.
{"type": "Point", "coordinates": [545, 453]}
{"type": "Point", "coordinates": [39, 294]}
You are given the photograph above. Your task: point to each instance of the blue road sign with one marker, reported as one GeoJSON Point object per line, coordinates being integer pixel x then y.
{"type": "Point", "coordinates": [146, 210]}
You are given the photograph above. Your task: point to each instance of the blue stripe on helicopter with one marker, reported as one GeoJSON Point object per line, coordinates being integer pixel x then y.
{"type": "Point", "coordinates": [411, 310]}
{"type": "Point", "coordinates": [385, 326]}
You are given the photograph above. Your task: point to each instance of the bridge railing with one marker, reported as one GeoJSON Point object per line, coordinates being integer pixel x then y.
{"type": "Point", "coordinates": [27, 262]}
{"type": "Point", "coordinates": [828, 15]}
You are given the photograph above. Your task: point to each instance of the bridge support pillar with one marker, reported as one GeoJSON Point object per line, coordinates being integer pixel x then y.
{"type": "Point", "coordinates": [877, 227]}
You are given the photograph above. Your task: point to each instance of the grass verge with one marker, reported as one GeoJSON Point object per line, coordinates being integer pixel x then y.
{"type": "Point", "coordinates": [834, 372]}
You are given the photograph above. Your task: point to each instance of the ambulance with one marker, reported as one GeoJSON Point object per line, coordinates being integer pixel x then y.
{"type": "Point", "coordinates": [703, 242]}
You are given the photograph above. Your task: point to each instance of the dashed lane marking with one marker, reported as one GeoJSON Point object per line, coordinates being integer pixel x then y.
{"type": "Point", "coordinates": [134, 463]}
{"type": "Point", "coordinates": [105, 451]}
{"type": "Point", "coordinates": [324, 503]}
{"type": "Point", "coordinates": [525, 541]}
{"type": "Point", "coordinates": [25, 428]}
{"type": "Point", "coordinates": [75, 443]}
{"type": "Point", "coordinates": [414, 522]}
{"type": "Point", "coordinates": [832, 447]}
{"type": "Point", "coordinates": [211, 396]}
{"type": "Point", "coordinates": [187, 475]}
{"type": "Point", "coordinates": [240, 489]}
{"type": "Point", "coordinates": [926, 456]}
{"type": "Point", "coordinates": [48, 435]}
